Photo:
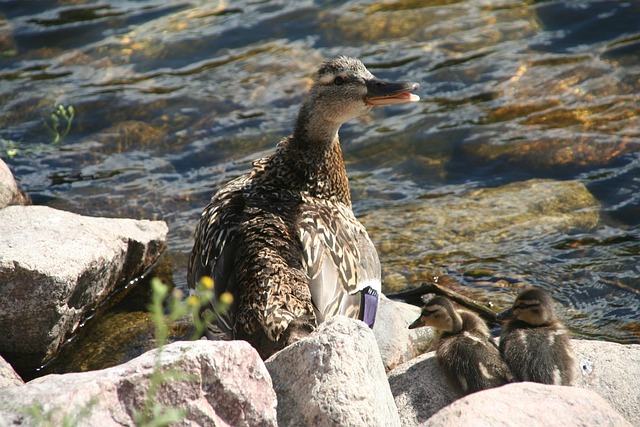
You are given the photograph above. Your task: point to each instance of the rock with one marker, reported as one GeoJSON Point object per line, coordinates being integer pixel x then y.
{"type": "Point", "coordinates": [10, 194]}
{"type": "Point", "coordinates": [396, 342]}
{"type": "Point", "coordinates": [214, 382]}
{"type": "Point", "coordinates": [114, 338]}
{"type": "Point", "coordinates": [529, 404]}
{"type": "Point", "coordinates": [611, 370]}
{"type": "Point", "coordinates": [420, 389]}
{"type": "Point", "coordinates": [490, 223]}
{"type": "Point", "coordinates": [333, 377]}
{"type": "Point", "coordinates": [56, 267]}
{"type": "Point", "coordinates": [8, 376]}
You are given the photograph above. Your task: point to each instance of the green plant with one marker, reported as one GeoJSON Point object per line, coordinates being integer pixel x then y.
{"type": "Point", "coordinates": [153, 414]}
{"type": "Point", "coordinates": [61, 118]}
{"type": "Point", "coordinates": [9, 147]}
{"type": "Point", "coordinates": [46, 418]}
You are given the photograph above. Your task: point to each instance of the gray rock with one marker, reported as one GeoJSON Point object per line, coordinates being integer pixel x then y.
{"type": "Point", "coordinates": [420, 389]}
{"type": "Point", "coordinates": [333, 377]}
{"type": "Point", "coordinates": [10, 194]}
{"type": "Point", "coordinates": [8, 376]}
{"type": "Point", "coordinates": [613, 371]}
{"type": "Point", "coordinates": [56, 266]}
{"type": "Point", "coordinates": [214, 382]}
{"type": "Point", "coordinates": [398, 343]}
{"type": "Point", "coordinates": [529, 404]}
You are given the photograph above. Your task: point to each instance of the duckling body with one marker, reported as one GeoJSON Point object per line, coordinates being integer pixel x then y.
{"type": "Point", "coordinates": [282, 238]}
{"type": "Point", "coordinates": [534, 344]}
{"type": "Point", "coordinates": [465, 349]}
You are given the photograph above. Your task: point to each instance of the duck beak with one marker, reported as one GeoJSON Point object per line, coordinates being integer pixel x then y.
{"type": "Point", "coordinates": [416, 324]}
{"type": "Point", "coordinates": [380, 92]}
{"type": "Point", "coordinates": [505, 315]}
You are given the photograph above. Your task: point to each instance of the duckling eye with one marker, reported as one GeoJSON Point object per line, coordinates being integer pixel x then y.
{"type": "Point", "coordinates": [338, 81]}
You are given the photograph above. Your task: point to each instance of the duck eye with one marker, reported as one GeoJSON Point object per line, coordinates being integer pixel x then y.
{"type": "Point", "coordinates": [338, 81]}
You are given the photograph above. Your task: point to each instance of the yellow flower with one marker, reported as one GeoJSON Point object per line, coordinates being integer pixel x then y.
{"type": "Point", "coordinates": [226, 298]}
{"type": "Point", "coordinates": [193, 301]}
{"type": "Point", "coordinates": [206, 282]}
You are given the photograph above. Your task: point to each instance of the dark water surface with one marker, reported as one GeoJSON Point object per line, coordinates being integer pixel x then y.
{"type": "Point", "coordinates": [172, 99]}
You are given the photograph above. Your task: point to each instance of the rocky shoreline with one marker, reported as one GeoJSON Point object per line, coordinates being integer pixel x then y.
{"type": "Point", "coordinates": [57, 267]}
{"type": "Point", "coordinates": [333, 377]}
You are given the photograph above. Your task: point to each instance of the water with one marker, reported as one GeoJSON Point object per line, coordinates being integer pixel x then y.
{"type": "Point", "coordinates": [172, 99]}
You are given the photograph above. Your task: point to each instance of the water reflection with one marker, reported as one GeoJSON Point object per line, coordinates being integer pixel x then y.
{"type": "Point", "coordinates": [173, 99]}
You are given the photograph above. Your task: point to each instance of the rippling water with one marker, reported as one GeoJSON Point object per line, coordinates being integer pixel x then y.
{"type": "Point", "coordinates": [172, 99]}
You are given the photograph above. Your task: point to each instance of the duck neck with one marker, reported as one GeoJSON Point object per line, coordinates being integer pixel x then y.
{"type": "Point", "coordinates": [456, 322]}
{"type": "Point", "coordinates": [316, 155]}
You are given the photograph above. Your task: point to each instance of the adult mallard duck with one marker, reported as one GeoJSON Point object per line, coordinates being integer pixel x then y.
{"type": "Point", "coordinates": [282, 238]}
{"type": "Point", "coordinates": [465, 349]}
{"type": "Point", "coordinates": [534, 343]}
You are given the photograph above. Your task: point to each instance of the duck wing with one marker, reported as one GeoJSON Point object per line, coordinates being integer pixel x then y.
{"type": "Point", "coordinates": [341, 261]}
{"type": "Point", "coordinates": [214, 250]}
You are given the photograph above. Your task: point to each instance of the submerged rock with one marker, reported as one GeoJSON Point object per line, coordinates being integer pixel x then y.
{"type": "Point", "coordinates": [213, 383]}
{"type": "Point", "coordinates": [114, 338]}
{"type": "Point", "coordinates": [56, 267]}
{"type": "Point", "coordinates": [334, 377]}
{"type": "Point", "coordinates": [420, 389]}
{"type": "Point", "coordinates": [481, 224]}
{"type": "Point", "coordinates": [529, 404]}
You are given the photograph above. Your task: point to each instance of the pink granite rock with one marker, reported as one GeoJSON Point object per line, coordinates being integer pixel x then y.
{"type": "Point", "coordinates": [529, 404]}
{"type": "Point", "coordinates": [214, 383]}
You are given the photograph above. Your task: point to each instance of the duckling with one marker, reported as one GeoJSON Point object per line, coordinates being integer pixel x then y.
{"type": "Point", "coordinates": [534, 343]}
{"type": "Point", "coordinates": [465, 349]}
{"type": "Point", "coordinates": [282, 239]}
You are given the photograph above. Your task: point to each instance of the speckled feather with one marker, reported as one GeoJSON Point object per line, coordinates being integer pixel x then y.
{"type": "Point", "coordinates": [283, 238]}
{"type": "Point", "coordinates": [465, 349]}
{"type": "Point", "coordinates": [539, 353]}
{"type": "Point", "coordinates": [470, 358]}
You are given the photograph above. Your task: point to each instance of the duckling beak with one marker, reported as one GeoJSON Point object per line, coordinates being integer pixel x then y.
{"type": "Point", "coordinates": [416, 324]}
{"type": "Point", "coordinates": [505, 315]}
{"type": "Point", "coordinates": [380, 92]}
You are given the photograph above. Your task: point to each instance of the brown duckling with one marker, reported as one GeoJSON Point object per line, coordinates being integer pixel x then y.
{"type": "Point", "coordinates": [534, 343]}
{"type": "Point", "coordinates": [465, 349]}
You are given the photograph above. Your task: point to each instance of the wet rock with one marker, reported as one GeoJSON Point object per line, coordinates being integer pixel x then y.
{"type": "Point", "coordinates": [8, 377]}
{"type": "Point", "coordinates": [486, 223]}
{"type": "Point", "coordinates": [214, 383]}
{"type": "Point", "coordinates": [420, 389]}
{"type": "Point", "coordinates": [113, 339]}
{"type": "Point", "coordinates": [8, 46]}
{"type": "Point", "coordinates": [529, 404]}
{"type": "Point", "coordinates": [333, 377]}
{"type": "Point", "coordinates": [610, 369]}
{"type": "Point", "coordinates": [396, 342]}
{"type": "Point", "coordinates": [56, 267]}
{"type": "Point", "coordinates": [10, 194]}
{"type": "Point", "coordinates": [126, 136]}
{"type": "Point", "coordinates": [547, 153]}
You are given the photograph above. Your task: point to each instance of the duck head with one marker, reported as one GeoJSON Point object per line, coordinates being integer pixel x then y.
{"type": "Point", "coordinates": [344, 89]}
{"type": "Point", "coordinates": [439, 313]}
{"type": "Point", "coordinates": [533, 307]}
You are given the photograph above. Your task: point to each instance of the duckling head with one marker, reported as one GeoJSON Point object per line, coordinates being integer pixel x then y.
{"type": "Point", "coordinates": [344, 89]}
{"type": "Point", "coordinates": [439, 313]}
{"type": "Point", "coordinates": [533, 307]}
